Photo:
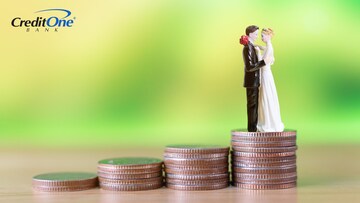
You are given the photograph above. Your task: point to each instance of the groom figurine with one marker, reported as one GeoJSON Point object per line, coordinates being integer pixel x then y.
{"type": "Point", "coordinates": [252, 75]}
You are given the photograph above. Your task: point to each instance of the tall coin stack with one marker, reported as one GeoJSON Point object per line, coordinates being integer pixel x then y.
{"type": "Point", "coordinates": [196, 167]}
{"type": "Point", "coordinates": [130, 174]}
{"type": "Point", "coordinates": [263, 160]}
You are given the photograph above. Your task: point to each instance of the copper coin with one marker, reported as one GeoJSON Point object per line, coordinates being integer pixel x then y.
{"type": "Point", "coordinates": [129, 171]}
{"type": "Point", "coordinates": [261, 155]}
{"type": "Point", "coordinates": [263, 176]}
{"type": "Point", "coordinates": [130, 163]}
{"type": "Point", "coordinates": [196, 182]}
{"type": "Point", "coordinates": [264, 139]}
{"type": "Point", "coordinates": [136, 187]}
{"type": "Point", "coordinates": [263, 144]}
{"type": "Point", "coordinates": [65, 183]}
{"type": "Point", "coordinates": [264, 159]}
{"type": "Point", "coordinates": [131, 181]}
{"type": "Point", "coordinates": [265, 187]}
{"type": "Point", "coordinates": [264, 150]}
{"type": "Point", "coordinates": [265, 182]}
{"type": "Point", "coordinates": [198, 177]}
{"type": "Point", "coordinates": [194, 167]}
{"type": "Point", "coordinates": [197, 172]}
{"type": "Point", "coordinates": [262, 165]}
{"type": "Point", "coordinates": [63, 189]}
{"type": "Point", "coordinates": [182, 161]}
{"type": "Point", "coordinates": [198, 149]}
{"type": "Point", "coordinates": [130, 176]}
{"type": "Point", "coordinates": [65, 179]}
{"type": "Point", "coordinates": [197, 187]}
{"type": "Point", "coordinates": [264, 170]}
{"type": "Point", "coordinates": [242, 133]}
{"type": "Point", "coordinates": [195, 156]}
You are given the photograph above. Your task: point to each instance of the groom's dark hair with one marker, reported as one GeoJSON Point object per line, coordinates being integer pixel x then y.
{"type": "Point", "coordinates": [251, 29]}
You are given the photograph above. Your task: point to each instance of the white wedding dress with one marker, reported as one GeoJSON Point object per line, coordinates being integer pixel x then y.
{"type": "Point", "coordinates": [269, 119]}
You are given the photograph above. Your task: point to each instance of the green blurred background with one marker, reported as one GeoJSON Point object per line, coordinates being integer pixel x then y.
{"type": "Point", "coordinates": [150, 73]}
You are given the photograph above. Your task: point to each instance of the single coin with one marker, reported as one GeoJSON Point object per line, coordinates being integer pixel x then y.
{"type": "Point", "coordinates": [195, 156]}
{"type": "Point", "coordinates": [261, 155]}
{"type": "Point", "coordinates": [194, 167]}
{"type": "Point", "coordinates": [65, 179]}
{"type": "Point", "coordinates": [198, 177]}
{"type": "Point", "coordinates": [191, 149]}
{"type": "Point", "coordinates": [197, 182]}
{"type": "Point", "coordinates": [132, 181]}
{"type": "Point", "coordinates": [267, 182]}
{"type": "Point", "coordinates": [129, 171]}
{"type": "Point", "coordinates": [264, 139]}
{"type": "Point", "coordinates": [242, 133]}
{"type": "Point", "coordinates": [265, 187]}
{"type": "Point", "coordinates": [263, 144]}
{"type": "Point", "coordinates": [263, 165]}
{"type": "Point", "coordinates": [129, 176]}
{"type": "Point", "coordinates": [182, 161]}
{"type": "Point", "coordinates": [263, 176]}
{"type": "Point", "coordinates": [264, 150]}
{"type": "Point", "coordinates": [197, 172]}
{"type": "Point", "coordinates": [65, 183]}
{"type": "Point", "coordinates": [197, 188]}
{"type": "Point", "coordinates": [131, 163]}
{"type": "Point", "coordinates": [136, 187]}
{"type": "Point", "coordinates": [264, 159]}
{"type": "Point", "coordinates": [264, 170]}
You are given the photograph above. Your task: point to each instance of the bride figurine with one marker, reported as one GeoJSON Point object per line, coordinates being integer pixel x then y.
{"type": "Point", "coordinates": [269, 110]}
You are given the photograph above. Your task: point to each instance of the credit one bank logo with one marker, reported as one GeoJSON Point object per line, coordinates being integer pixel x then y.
{"type": "Point", "coordinates": [60, 18]}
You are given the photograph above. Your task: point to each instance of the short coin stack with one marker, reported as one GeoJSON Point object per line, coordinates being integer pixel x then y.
{"type": "Point", "coordinates": [64, 181]}
{"type": "Point", "coordinates": [264, 160]}
{"type": "Point", "coordinates": [130, 174]}
{"type": "Point", "coordinates": [196, 167]}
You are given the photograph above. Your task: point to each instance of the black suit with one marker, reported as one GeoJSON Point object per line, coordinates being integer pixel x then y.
{"type": "Point", "coordinates": [252, 83]}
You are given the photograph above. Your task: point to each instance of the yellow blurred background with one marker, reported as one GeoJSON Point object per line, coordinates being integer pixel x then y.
{"type": "Point", "coordinates": [151, 73]}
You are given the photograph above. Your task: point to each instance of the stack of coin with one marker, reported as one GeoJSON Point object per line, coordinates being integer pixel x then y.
{"type": "Point", "coordinates": [64, 181]}
{"type": "Point", "coordinates": [263, 160]}
{"type": "Point", "coordinates": [196, 167]}
{"type": "Point", "coordinates": [130, 174]}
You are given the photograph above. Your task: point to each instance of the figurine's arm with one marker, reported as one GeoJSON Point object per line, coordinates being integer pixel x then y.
{"type": "Point", "coordinates": [249, 65]}
{"type": "Point", "coordinates": [258, 53]}
{"type": "Point", "coordinates": [262, 48]}
{"type": "Point", "coordinates": [269, 53]}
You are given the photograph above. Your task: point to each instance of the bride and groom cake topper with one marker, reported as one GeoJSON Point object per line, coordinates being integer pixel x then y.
{"type": "Point", "coordinates": [263, 109]}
